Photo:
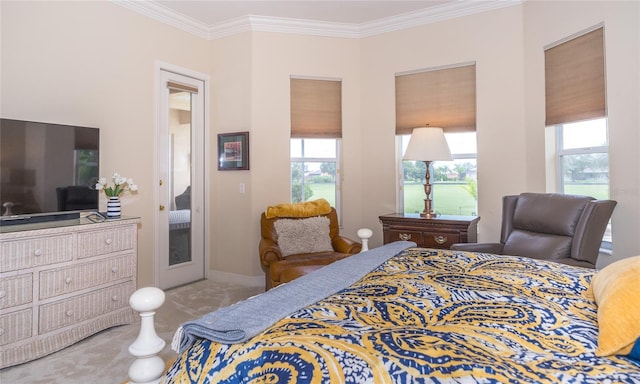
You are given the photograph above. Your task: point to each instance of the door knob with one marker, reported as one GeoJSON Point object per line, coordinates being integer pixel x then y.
{"type": "Point", "coordinates": [161, 207]}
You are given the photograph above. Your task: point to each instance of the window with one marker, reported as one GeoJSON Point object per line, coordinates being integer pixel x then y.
{"type": "Point", "coordinates": [316, 132]}
{"type": "Point", "coordinates": [314, 170]}
{"type": "Point", "coordinates": [575, 104]}
{"type": "Point", "coordinates": [454, 182]}
{"type": "Point", "coordinates": [583, 160]}
{"type": "Point", "coordinates": [439, 97]}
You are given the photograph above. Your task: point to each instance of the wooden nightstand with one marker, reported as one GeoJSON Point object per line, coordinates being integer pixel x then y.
{"type": "Point", "coordinates": [439, 232]}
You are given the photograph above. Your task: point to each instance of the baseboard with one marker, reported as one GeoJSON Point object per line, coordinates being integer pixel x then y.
{"type": "Point", "coordinates": [228, 277]}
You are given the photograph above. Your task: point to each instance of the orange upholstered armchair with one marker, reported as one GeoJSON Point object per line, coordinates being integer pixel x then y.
{"type": "Point", "coordinates": [300, 238]}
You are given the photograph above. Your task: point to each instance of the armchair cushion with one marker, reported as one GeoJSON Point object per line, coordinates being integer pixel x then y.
{"type": "Point", "coordinates": [555, 214]}
{"type": "Point", "coordinates": [306, 209]}
{"type": "Point", "coordinates": [296, 236]}
{"type": "Point", "coordinates": [537, 245]}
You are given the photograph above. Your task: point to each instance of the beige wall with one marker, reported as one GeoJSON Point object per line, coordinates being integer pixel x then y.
{"type": "Point", "coordinates": [231, 234]}
{"type": "Point", "coordinates": [93, 64]}
{"type": "Point", "coordinates": [547, 22]}
{"type": "Point", "coordinates": [254, 69]}
{"type": "Point", "coordinates": [494, 42]}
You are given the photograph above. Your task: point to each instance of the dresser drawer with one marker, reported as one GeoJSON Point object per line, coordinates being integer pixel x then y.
{"type": "Point", "coordinates": [96, 243]}
{"type": "Point", "coordinates": [16, 290]}
{"type": "Point", "coordinates": [55, 282]}
{"type": "Point", "coordinates": [15, 326]}
{"type": "Point", "coordinates": [33, 252]}
{"type": "Point", "coordinates": [440, 239]}
{"type": "Point", "coordinates": [84, 307]}
{"type": "Point", "coordinates": [429, 232]}
{"type": "Point", "coordinates": [406, 235]}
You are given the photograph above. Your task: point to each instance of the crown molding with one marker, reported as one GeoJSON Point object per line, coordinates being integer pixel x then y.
{"type": "Point", "coordinates": [309, 27]}
{"type": "Point", "coordinates": [284, 25]}
{"type": "Point", "coordinates": [167, 16]}
{"type": "Point", "coordinates": [431, 15]}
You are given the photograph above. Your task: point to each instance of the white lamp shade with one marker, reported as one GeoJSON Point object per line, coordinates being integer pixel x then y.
{"type": "Point", "coordinates": [427, 144]}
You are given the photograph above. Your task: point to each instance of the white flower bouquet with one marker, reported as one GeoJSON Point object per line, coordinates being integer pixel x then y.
{"type": "Point", "coordinates": [120, 185]}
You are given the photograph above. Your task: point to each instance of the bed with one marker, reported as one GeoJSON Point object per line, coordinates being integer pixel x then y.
{"type": "Point", "coordinates": [418, 315]}
{"type": "Point", "coordinates": [179, 236]}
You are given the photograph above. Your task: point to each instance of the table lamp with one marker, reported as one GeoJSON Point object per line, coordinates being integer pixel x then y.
{"type": "Point", "coordinates": [428, 144]}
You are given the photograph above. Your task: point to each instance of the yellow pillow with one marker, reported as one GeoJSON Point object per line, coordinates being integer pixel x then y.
{"type": "Point", "coordinates": [616, 289]}
{"type": "Point", "coordinates": [306, 209]}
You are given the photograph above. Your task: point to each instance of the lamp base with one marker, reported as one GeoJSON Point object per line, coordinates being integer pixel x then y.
{"type": "Point", "coordinates": [428, 204]}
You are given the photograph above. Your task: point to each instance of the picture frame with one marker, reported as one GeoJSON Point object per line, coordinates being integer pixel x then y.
{"type": "Point", "coordinates": [233, 151]}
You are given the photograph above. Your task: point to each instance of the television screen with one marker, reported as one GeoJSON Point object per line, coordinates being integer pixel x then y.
{"type": "Point", "coordinates": [47, 168]}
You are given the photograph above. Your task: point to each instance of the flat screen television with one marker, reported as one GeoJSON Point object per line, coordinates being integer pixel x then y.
{"type": "Point", "coordinates": [47, 171]}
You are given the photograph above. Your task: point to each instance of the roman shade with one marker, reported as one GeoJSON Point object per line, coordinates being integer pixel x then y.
{"type": "Point", "coordinates": [575, 80]}
{"type": "Point", "coordinates": [316, 108]}
{"type": "Point", "coordinates": [444, 97]}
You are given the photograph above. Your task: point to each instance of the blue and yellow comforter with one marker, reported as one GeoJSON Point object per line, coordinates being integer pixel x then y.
{"type": "Point", "coordinates": [428, 316]}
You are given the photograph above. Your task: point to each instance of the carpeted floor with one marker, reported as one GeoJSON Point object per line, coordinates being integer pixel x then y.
{"type": "Point", "coordinates": [104, 359]}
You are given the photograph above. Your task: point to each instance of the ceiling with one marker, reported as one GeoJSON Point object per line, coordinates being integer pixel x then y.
{"type": "Point", "coordinates": [354, 12]}
{"type": "Point", "coordinates": [211, 19]}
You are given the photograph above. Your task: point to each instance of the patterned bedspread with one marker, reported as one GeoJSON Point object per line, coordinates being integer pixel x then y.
{"type": "Point", "coordinates": [428, 316]}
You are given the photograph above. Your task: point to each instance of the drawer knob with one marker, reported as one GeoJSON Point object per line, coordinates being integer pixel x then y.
{"type": "Point", "coordinates": [405, 236]}
{"type": "Point", "coordinates": [108, 241]}
{"type": "Point", "coordinates": [1, 331]}
{"type": "Point", "coordinates": [69, 313]}
{"type": "Point", "coordinates": [114, 298]}
{"type": "Point", "coordinates": [37, 252]}
{"type": "Point", "coordinates": [114, 269]}
{"type": "Point", "coordinates": [68, 280]}
{"type": "Point", "coordinates": [440, 239]}
{"type": "Point", "coordinates": [3, 294]}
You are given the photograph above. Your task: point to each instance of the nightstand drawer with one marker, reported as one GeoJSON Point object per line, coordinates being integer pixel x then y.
{"type": "Point", "coordinates": [404, 235]}
{"type": "Point", "coordinates": [440, 239]}
{"type": "Point", "coordinates": [434, 232]}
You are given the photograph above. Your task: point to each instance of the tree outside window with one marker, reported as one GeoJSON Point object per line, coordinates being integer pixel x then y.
{"type": "Point", "coordinates": [583, 160]}
{"type": "Point", "coordinates": [454, 182]}
{"type": "Point", "coordinates": [314, 169]}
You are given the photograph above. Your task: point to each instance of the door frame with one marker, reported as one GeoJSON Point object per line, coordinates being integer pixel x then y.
{"type": "Point", "coordinates": [159, 67]}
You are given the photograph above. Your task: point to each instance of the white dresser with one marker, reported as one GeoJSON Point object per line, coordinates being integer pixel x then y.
{"type": "Point", "coordinates": [62, 282]}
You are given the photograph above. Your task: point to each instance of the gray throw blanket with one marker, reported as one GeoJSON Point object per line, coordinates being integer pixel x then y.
{"type": "Point", "coordinates": [241, 321]}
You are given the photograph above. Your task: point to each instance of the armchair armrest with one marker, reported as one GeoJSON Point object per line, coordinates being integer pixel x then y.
{"type": "Point", "coordinates": [495, 248]}
{"type": "Point", "coordinates": [269, 252]}
{"type": "Point", "coordinates": [345, 245]}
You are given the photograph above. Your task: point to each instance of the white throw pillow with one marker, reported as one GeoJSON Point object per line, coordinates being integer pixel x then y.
{"type": "Point", "coordinates": [309, 235]}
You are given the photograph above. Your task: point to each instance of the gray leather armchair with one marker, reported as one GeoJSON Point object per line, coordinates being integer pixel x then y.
{"type": "Point", "coordinates": [564, 228]}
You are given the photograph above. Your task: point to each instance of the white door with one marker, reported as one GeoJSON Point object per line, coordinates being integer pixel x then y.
{"type": "Point", "coordinates": [180, 216]}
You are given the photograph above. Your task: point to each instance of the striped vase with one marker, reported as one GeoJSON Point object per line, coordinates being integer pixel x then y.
{"type": "Point", "coordinates": [113, 207]}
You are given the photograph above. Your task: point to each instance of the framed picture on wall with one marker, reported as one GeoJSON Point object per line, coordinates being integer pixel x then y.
{"type": "Point", "coordinates": [233, 151]}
